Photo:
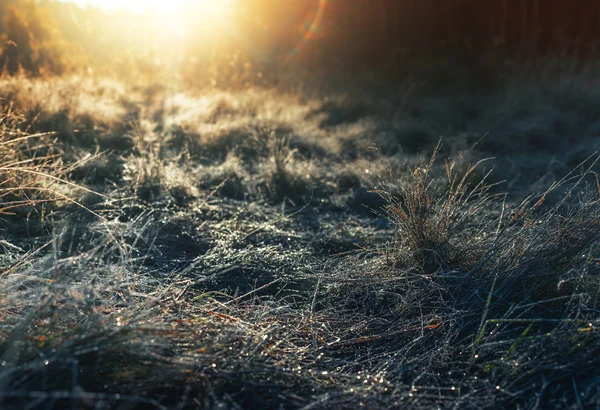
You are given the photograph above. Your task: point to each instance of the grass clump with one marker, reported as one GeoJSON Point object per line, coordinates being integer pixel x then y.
{"type": "Point", "coordinates": [435, 221]}
{"type": "Point", "coordinates": [512, 324]}
{"type": "Point", "coordinates": [230, 177]}
{"type": "Point", "coordinates": [283, 179]}
{"type": "Point", "coordinates": [32, 174]}
{"type": "Point", "coordinates": [151, 169]}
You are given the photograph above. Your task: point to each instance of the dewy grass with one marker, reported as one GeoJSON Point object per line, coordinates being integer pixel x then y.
{"type": "Point", "coordinates": [459, 296]}
{"type": "Point", "coordinates": [32, 173]}
{"type": "Point", "coordinates": [27, 179]}
{"type": "Point", "coordinates": [281, 182]}
{"type": "Point", "coordinates": [433, 223]}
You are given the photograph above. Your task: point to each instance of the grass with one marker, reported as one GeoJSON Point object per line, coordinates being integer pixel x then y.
{"type": "Point", "coordinates": [246, 249]}
{"type": "Point", "coordinates": [433, 230]}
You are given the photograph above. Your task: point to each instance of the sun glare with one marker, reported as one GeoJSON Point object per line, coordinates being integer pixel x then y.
{"type": "Point", "coordinates": [172, 28]}
{"type": "Point", "coordinates": [160, 7]}
{"type": "Point", "coordinates": [172, 20]}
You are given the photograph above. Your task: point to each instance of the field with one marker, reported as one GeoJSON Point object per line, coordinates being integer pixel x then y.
{"type": "Point", "coordinates": [348, 245]}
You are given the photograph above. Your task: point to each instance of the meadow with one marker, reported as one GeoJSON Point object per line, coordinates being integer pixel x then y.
{"type": "Point", "coordinates": [258, 248]}
{"type": "Point", "coordinates": [323, 244]}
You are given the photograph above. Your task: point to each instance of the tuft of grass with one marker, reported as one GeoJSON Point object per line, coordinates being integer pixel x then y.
{"type": "Point", "coordinates": [32, 173]}
{"type": "Point", "coordinates": [152, 172]}
{"type": "Point", "coordinates": [282, 180]}
{"type": "Point", "coordinates": [434, 223]}
{"type": "Point", "coordinates": [230, 176]}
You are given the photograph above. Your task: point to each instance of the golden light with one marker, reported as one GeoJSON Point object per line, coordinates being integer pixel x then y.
{"type": "Point", "coordinates": [171, 17]}
{"type": "Point", "coordinates": [161, 7]}
{"type": "Point", "coordinates": [178, 29]}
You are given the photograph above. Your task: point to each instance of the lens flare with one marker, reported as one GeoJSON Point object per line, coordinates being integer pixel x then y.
{"type": "Point", "coordinates": [311, 29]}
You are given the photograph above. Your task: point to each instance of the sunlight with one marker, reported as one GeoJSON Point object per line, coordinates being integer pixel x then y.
{"type": "Point", "coordinates": [170, 29]}
{"type": "Point", "coordinates": [172, 21]}
{"type": "Point", "coordinates": [160, 7]}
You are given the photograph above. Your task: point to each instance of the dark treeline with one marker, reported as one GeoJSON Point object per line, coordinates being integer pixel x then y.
{"type": "Point", "coordinates": [380, 26]}
{"type": "Point", "coordinates": [382, 36]}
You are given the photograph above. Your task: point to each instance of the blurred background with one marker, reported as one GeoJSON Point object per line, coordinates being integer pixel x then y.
{"type": "Point", "coordinates": [226, 43]}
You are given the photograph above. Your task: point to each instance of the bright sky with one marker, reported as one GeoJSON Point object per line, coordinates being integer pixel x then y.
{"type": "Point", "coordinates": [133, 5]}
{"type": "Point", "coordinates": [216, 18]}
{"type": "Point", "coordinates": [159, 6]}
{"type": "Point", "coordinates": [171, 16]}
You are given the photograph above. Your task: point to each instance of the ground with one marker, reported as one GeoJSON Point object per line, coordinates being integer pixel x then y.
{"type": "Point", "coordinates": [314, 247]}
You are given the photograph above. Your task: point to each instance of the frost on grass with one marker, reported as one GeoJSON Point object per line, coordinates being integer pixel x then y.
{"type": "Point", "coordinates": [247, 249]}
